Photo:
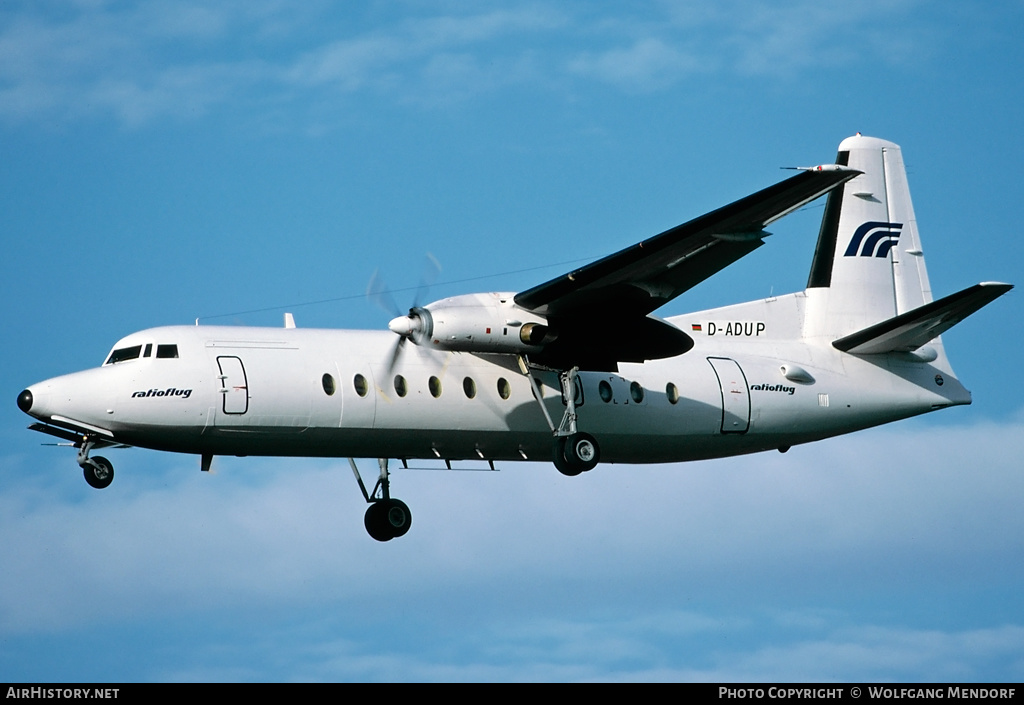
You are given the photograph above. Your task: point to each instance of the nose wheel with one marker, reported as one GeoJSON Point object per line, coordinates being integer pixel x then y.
{"type": "Point", "coordinates": [98, 471]}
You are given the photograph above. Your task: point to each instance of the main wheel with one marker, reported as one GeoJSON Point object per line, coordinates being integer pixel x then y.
{"type": "Point", "coordinates": [397, 517]}
{"type": "Point", "coordinates": [373, 520]}
{"type": "Point", "coordinates": [387, 519]}
{"type": "Point", "coordinates": [575, 453]}
{"type": "Point", "coordinates": [564, 466]}
{"type": "Point", "coordinates": [99, 473]}
{"type": "Point", "coordinates": [581, 450]}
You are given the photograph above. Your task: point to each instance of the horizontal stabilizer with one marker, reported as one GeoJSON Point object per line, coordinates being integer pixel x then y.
{"type": "Point", "coordinates": [909, 331]}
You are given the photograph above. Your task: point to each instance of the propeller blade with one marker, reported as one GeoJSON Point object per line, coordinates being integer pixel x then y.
{"type": "Point", "coordinates": [393, 357]}
{"type": "Point", "coordinates": [377, 291]}
{"type": "Point", "coordinates": [431, 270]}
{"type": "Point", "coordinates": [411, 326]}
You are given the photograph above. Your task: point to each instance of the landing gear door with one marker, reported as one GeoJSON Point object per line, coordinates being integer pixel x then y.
{"type": "Point", "coordinates": [735, 395]}
{"type": "Point", "coordinates": [234, 387]}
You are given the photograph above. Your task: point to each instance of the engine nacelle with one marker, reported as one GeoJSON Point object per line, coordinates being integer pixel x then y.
{"type": "Point", "coordinates": [481, 323]}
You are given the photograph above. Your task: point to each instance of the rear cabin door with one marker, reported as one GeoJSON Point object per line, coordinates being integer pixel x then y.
{"type": "Point", "coordinates": [735, 395]}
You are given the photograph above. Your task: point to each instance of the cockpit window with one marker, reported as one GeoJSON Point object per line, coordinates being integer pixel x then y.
{"type": "Point", "coordinates": [167, 351]}
{"type": "Point", "coordinates": [123, 354]}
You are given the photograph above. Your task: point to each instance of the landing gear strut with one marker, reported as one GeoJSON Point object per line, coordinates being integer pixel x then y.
{"type": "Point", "coordinates": [386, 518]}
{"type": "Point", "coordinates": [573, 452]}
{"type": "Point", "coordinates": [98, 471]}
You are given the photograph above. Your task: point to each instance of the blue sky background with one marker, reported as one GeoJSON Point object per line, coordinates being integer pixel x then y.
{"type": "Point", "coordinates": [164, 161]}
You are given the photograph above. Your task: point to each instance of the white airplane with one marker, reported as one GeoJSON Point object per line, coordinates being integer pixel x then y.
{"type": "Point", "coordinates": [484, 377]}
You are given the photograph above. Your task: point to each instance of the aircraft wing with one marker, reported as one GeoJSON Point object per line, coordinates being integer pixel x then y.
{"type": "Point", "coordinates": [643, 277]}
{"type": "Point", "coordinates": [618, 292]}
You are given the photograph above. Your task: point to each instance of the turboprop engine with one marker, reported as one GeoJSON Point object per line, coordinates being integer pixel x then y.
{"type": "Point", "coordinates": [479, 323]}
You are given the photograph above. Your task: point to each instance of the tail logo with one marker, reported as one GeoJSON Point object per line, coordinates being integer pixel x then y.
{"type": "Point", "coordinates": [874, 239]}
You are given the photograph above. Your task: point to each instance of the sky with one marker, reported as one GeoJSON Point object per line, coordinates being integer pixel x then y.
{"type": "Point", "coordinates": [229, 161]}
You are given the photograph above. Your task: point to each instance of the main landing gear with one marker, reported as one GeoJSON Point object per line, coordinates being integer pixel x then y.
{"type": "Point", "coordinates": [98, 471]}
{"type": "Point", "coordinates": [574, 452]}
{"type": "Point", "coordinates": [386, 518]}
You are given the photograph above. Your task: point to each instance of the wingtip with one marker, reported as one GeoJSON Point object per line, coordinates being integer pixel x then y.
{"type": "Point", "coordinates": [825, 167]}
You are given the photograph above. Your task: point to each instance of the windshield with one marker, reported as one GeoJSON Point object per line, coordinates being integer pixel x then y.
{"type": "Point", "coordinates": [122, 354]}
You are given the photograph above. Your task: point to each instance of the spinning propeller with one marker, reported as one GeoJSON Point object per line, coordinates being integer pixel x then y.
{"type": "Point", "coordinates": [417, 324]}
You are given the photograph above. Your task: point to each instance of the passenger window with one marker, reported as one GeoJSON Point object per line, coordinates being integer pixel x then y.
{"type": "Point", "coordinates": [504, 390]}
{"type": "Point", "coordinates": [636, 392]}
{"type": "Point", "coordinates": [124, 354]}
{"type": "Point", "coordinates": [605, 390]}
{"type": "Point", "coordinates": [401, 388]}
{"type": "Point", "coordinates": [166, 351]}
{"type": "Point", "coordinates": [434, 385]}
{"type": "Point", "coordinates": [328, 382]}
{"type": "Point", "coordinates": [469, 387]}
{"type": "Point", "coordinates": [359, 382]}
{"type": "Point", "coordinates": [672, 392]}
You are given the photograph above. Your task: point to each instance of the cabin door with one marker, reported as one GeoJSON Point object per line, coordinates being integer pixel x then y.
{"type": "Point", "coordinates": [234, 387]}
{"type": "Point", "coordinates": [735, 395]}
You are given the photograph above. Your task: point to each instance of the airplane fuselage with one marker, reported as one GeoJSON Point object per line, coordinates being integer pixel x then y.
{"type": "Point", "coordinates": [748, 385]}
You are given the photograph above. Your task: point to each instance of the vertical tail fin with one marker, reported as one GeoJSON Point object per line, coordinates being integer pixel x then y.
{"type": "Point", "coordinates": [868, 265]}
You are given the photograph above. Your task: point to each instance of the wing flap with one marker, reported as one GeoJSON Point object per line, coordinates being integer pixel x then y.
{"type": "Point", "coordinates": [909, 331]}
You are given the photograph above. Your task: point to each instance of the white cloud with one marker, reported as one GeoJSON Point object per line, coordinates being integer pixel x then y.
{"type": "Point", "coordinates": [877, 653]}
{"type": "Point", "coordinates": [152, 60]}
{"type": "Point", "coordinates": [864, 509]}
{"type": "Point", "coordinates": [625, 650]}
{"type": "Point", "coordinates": [98, 60]}
{"type": "Point", "coordinates": [443, 31]}
{"type": "Point", "coordinates": [158, 59]}
{"type": "Point", "coordinates": [647, 65]}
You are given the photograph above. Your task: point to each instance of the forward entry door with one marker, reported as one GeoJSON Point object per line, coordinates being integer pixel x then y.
{"type": "Point", "coordinates": [234, 385]}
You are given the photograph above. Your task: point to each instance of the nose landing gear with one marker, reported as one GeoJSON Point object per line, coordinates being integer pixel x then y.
{"type": "Point", "coordinates": [98, 471]}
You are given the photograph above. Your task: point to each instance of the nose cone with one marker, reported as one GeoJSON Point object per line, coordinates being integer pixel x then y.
{"type": "Point", "coordinates": [25, 401]}
{"type": "Point", "coordinates": [35, 401]}
{"type": "Point", "coordinates": [403, 325]}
